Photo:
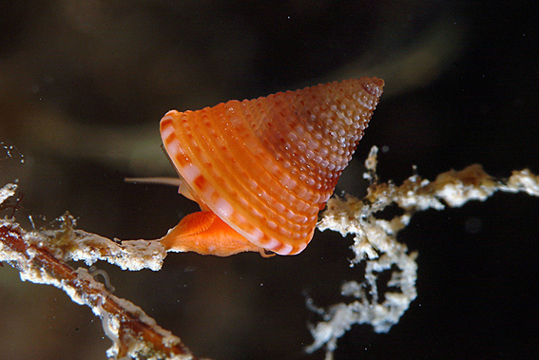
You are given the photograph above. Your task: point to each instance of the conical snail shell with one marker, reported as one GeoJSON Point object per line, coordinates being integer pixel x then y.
{"type": "Point", "coordinates": [267, 166]}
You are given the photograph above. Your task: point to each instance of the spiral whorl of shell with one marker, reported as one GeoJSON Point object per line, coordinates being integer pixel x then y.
{"type": "Point", "coordinates": [267, 166]}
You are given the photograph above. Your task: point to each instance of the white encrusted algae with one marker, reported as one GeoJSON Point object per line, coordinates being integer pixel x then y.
{"type": "Point", "coordinates": [7, 191]}
{"type": "Point", "coordinates": [71, 244]}
{"type": "Point", "coordinates": [458, 187]}
{"type": "Point", "coordinates": [131, 255]}
{"type": "Point", "coordinates": [375, 242]}
{"type": "Point", "coordinates": [523, 181]}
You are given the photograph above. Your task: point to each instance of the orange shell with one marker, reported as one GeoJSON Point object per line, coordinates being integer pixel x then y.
{"type": "Point", "coordinates": [267, 166]}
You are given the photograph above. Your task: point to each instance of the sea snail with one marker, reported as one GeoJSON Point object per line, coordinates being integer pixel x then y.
{"type": "Point", "coordinates": [262, 169]}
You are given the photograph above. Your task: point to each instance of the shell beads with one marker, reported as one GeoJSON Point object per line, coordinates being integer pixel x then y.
{"type": "Point", "coordinates": [267, 166]}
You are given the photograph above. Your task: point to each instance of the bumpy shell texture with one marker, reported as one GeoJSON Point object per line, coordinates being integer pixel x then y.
{"type": "Point", "coordinates": [267, 166]}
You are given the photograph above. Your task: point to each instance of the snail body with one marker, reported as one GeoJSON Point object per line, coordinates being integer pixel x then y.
{"type": "Point", "coordinates": [262, 169]}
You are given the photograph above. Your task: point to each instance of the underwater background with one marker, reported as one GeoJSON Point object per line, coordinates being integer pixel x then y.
{"type": "Point", "coordinates": [83, 85]}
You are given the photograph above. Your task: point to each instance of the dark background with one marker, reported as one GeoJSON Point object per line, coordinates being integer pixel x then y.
{"type": "Point", "coordinates": [83, 85]}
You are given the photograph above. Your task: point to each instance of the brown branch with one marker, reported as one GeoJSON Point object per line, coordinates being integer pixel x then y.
{"type": "Point", "coordinates": [133, 332]}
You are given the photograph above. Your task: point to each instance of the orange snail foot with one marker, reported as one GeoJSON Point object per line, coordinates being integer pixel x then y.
{"type": "Point", "coordinates": [206, 234]}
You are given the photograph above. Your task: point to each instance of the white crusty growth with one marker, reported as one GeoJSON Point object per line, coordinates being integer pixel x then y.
{"type": "Point", "coordinates": [376, 242]}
